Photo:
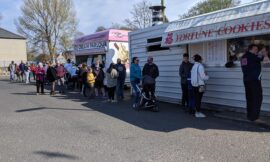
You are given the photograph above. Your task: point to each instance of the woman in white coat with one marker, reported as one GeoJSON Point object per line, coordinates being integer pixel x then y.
{"type": "Point", "coordinates": [198, 78]}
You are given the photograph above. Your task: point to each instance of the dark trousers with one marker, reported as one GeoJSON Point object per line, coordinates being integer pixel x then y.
{"type": "Point", "coordinates": [191, 100]}
{"type": "Point", "coordinates": [111, 92]}
{"type": "Point", "coordinates": [120, 88]}
{"type": "Point", "coordinates": [254, 98]}
{"type": "Point", "coordinates": [85, 86]}
{"type": "Point", "coordinates": [40, 84]}
{"type": "Point", "coordinates": [198, 98]}
{"type": "Point", "coordinates": [184, 88]}
{"type": "Point", "coordinates": [34, 75]}
{"type": "Point", "coordinates": [149, 89]}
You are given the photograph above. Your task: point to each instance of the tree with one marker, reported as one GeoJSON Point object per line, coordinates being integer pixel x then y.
{"type": "Point", "coordinates": [120, 26]}
{"type": "Point", "coordinates": [78, 34]}
{"type": "Point", "coordinates": [100, 28]}
{"type": "Point", "coordinates": [210, 6]}
{"type": "Point", "coordinates": [30, 57]}
{"type": "Point", "coordinates": [141, 16]}
{"type": "Point", "coordinates": [42, 58]}
{"type": "Point", "coordinates": [114, 26]}
{"type": "Point", "coordinates": [48, 23]}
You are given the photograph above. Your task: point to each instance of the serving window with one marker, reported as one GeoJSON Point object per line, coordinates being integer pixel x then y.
{"type": "Point", "coordinates": [237, 47]}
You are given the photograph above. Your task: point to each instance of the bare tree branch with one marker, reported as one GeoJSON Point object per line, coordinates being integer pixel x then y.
{"type": "Point", "coordinates": [46, 22]}
{"type": "Point", "coordinates": [141, 16]}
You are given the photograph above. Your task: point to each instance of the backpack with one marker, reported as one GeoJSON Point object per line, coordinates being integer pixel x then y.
{"type": "Point", "coordinates": [25, 68]}
{"type": "Point", "coordinates": [148, 80]}
{"type": "Point", "coordinates": [114, 74]}
{"type": "Point", "coordinates": [100, 75]}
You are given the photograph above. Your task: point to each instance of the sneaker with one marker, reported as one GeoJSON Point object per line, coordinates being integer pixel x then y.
{"type": "Point", "coordinates": [199, 115]}
{"type": "Point", "coordinates": [134, 106]}
{"type": "Point", "coordinates": [109, 100]}
{"type": "Point", "coordinates": [114, 101]}
{"type": "Point", "coordinates": [202, 115]}
{"type": "Point", "coordinates": [259, 122]}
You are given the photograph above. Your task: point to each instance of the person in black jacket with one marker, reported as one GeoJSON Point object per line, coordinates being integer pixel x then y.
{"type": "Point", "coordinates": [251, 68]}
{"type": "Point", "coordinates": [184, 72]}
{"type": "Point", "coordinates": [83, 76]}
{"type": "Point", "coordinates": [121, 79]}
{"type": "Point", "coordinates": [150, 69]}
{"type": "Point", "coordinates": [52, 77]}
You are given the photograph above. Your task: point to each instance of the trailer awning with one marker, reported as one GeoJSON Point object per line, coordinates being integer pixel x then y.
{"type": "Point", "coordinates": [247, 20]}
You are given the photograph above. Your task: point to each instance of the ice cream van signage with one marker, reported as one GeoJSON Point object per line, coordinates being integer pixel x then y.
{"type": "Point", "coordinates": [90, 45]}
{"type": "Point", "coordinates": [236, 28]}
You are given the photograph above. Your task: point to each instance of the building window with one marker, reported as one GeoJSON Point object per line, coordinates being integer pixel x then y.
{"type": "Point", "coordinates": [156, 48]}
{"type": "Point", "coordinates": [154, 44]}
{"type": "Point", "coordinates": [154, 40]}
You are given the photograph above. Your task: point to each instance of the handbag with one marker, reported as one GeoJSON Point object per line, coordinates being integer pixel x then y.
{"type": "Point", "coordinates": [202, 88]}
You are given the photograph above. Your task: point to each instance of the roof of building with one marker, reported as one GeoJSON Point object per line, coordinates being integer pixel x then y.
{"type": "Point", "coordinates": [106, 35]}
{"type": "Point", "coordinates": [4, 34]}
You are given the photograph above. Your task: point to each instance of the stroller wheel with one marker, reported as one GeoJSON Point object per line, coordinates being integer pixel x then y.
{"type": "Point", "coordinates": [155, 109]}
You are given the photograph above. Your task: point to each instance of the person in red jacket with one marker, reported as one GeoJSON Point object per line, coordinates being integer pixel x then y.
{"type": "Point", "coordinates": [61, 72]}
{"type": "Point", "coordinates": [40, 77]}
{"type": "Point", "coordinates": [33, 69]}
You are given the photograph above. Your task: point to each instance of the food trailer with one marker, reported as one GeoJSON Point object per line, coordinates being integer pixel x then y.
{"type": "Point", "coordinates": [217, 37]}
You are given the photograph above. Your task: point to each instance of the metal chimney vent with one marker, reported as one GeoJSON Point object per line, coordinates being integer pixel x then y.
{"type": "Point", "coordinates": [157, 15]}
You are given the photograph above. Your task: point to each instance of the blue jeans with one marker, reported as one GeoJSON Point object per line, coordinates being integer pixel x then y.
{"type": "Point", "coordinates": [136, 92]}
{"type": "Point", "coordinates": [191, 99]}
{"type": "Point", "coordinates": [12, 74]}
{"type": "Point", "coordinates": [120, 89]}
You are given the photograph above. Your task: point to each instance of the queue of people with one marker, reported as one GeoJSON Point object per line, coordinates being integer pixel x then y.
{"type": "Point", "coordinates": [69, 76]}
{"type": "Point", "coordinates": [92, 78]}
{"type": "Point", "coordinates": [22, 72]}
{"type": "Point", "coordinates": [193, 77]}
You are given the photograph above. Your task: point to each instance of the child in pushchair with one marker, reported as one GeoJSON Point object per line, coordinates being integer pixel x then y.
{"type": "Point", "coordinates": [147, 97]}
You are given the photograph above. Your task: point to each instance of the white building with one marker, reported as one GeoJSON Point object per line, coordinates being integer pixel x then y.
{"type": "Point", "coordinates": [215, 36]}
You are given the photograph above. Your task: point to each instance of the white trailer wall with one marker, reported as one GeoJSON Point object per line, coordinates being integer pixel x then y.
{"type": "Point", "coordinates": [168, 61]}
{"type": "Point", "coordinates": [225, 86]}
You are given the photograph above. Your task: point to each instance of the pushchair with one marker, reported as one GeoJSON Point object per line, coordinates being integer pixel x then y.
{"type": "Point", "coordinates": [147, 98]}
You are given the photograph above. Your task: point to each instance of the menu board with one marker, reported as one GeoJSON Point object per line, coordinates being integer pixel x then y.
{"type": "Point", "coordinates": [215, 52]}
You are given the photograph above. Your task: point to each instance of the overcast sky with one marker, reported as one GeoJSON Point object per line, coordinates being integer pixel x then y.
{"type": "Point", "coordinates": [94, 13]}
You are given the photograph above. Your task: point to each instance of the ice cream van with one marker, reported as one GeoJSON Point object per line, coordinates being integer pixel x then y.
{"type": "Point", "coordinates": [106, 46]}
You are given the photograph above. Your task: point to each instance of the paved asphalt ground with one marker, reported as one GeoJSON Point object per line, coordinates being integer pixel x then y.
{"type": "Point", "coordinates": [72, 128]}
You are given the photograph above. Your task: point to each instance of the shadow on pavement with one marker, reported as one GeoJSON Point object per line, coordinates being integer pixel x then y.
{"type": "Point", "coordinates": [48, 154]}
{"type": "Point", "coordinates": [46, 108]}
{"type": "Point", "coordinates": [25, 94]}
{"type": "Point", "coordinates": [170, 118]}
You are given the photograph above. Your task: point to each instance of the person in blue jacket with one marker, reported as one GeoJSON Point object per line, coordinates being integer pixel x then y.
{"type": "Point", "coordinates": [135, 78]}
{"type": "Point", "coordinates": [251, 68]}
